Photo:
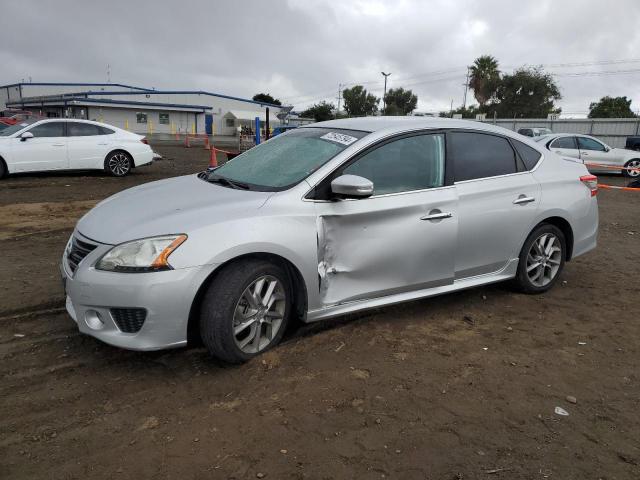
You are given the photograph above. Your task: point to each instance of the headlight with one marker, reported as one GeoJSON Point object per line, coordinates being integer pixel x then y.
{"type": "Point", "coordinates": [145, 255]}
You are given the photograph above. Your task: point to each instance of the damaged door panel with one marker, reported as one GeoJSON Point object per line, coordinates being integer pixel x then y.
{"type": "Point", "coordinates": [387, 244]}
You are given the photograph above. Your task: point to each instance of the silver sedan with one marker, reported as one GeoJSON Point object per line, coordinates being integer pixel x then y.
{"type": "Point", "coordinates": [321, 221]}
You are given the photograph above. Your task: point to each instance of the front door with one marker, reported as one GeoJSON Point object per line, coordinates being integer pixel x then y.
{"type": "Point", "coordinates": [594, 152]}
{"type": "Point", "coordinates": [401, 238]}
{"type": "Point", "coordinates": [47, 150]}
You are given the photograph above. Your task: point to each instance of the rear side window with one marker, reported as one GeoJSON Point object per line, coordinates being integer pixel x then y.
{"type": "Point", "coordinates": [105, 131]}
{"type": "Point", "coordinates": [529, 156]}
{"type": "Point", "coordinates": [403, 165]}
{"type": "Point", "coordinates": [49, 129]}
{"type": "Point", "coordinates": [564, 142]}
{"type": "Point", "coordinates": [479, 155]}
{"type": "Point", "coordinates": [83, 129]}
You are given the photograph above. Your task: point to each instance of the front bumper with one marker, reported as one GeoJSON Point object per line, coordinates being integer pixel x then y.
{"type": "Point", "coordinates": [166, 296]}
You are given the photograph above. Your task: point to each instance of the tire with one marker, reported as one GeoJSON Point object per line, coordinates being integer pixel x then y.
{"type": "Point", "coordinates": [230, 316]}
{"type": "Point", "coordinates": [3, 169]}
{"type": "Point", "coordinates": [553, 260]}
{"type": "Point", "coordinates": [633, 163]}
{"type": "Point", "coordinates": [118, 163]}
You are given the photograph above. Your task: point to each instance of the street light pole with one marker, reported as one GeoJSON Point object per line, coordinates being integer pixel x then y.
{"type": "Point", "coordinates": [384, 100]}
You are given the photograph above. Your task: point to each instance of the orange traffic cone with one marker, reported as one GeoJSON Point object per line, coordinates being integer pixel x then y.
{"type": "Point", "coordinates": [213, 160]}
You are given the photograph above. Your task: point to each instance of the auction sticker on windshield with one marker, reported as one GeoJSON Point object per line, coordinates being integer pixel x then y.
{"type": "Point", "coordinates": [339, 138]}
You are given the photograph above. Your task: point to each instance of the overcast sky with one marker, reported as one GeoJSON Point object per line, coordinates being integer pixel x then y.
{"type": "Point", "coordinates": [299, 51]}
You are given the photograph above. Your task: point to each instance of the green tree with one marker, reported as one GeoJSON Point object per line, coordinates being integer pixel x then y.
{"type": "Point", "coordinates": [358, 102]}
{"type": "Point", "coordinates": [468, 112]}
{"type": "Point", "coordinates": [611, 107]}
{"type": "Point", "coordinates": [320, 111]}
{"type": "Point", "coordinates": [400, 102]}
{"type": "Point", "coordinates": [484, 79]}
{"type": "Point", "coordinates": [266, 98]}
{"type": "Point", "coordinates": [527, 93]}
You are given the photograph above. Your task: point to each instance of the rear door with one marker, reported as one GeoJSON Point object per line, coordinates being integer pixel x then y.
{"type": "Point", "coordinates": [47, 150]}
{"type": "Point", "coordinates": [497, 202]}
{"type": "Point", "coordinates": [596, 153]}
{"type": "Point", "coordinates": [402, 238]}
{"type": "Point", "coordinates": [565, 146]}
{"type": "Point", "coordinates": [88, 145]}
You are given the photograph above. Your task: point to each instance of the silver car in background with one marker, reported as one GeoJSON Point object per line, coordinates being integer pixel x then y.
{"type": "Point", "coordinates": [324, 220]}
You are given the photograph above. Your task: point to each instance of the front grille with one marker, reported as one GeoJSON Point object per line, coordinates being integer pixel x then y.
{"type": "Point", "coordinates": [77, 252]}
{"type": "Point", "coordinates": [129, 320]}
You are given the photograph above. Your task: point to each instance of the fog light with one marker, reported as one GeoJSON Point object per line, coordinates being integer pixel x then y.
{"type": "Point", "coordinates": [93, 320]}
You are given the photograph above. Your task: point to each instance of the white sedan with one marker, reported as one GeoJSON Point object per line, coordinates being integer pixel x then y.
{"type": "Point", "coordinates": [70, 144]}
{"type": "Point", "coordinates": [598, 156]}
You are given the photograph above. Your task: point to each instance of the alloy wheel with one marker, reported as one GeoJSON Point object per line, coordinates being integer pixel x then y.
{"type": "Point", "coordinates": [259, 314]}
{"type": "Point", "coordinates": [544, 259]}
{"type": "Point", "coordinates": [635, 164]}
{"type": "Point", "coordinates": [119, 164]}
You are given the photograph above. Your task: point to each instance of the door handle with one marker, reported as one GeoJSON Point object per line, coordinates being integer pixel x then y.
{"type": "Point", "coordinates": [103, 144]}
{"type": "Point", "coordinates": [57, 144]}
{"type": "Point", "coordinates": [437, 216]}
{"type": "Point", "coordinates": [523, 199]}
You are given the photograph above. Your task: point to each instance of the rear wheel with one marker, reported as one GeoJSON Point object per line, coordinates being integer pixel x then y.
{"type": "Point", "coordinates": [3, 169]}
{"type": "Point", "coordinates": [541, 260]}
{"type": "Point", "coordinates": [632, 168]}
{"type": "Point", "coordinates": [118, 164]}
{"type": "Point", "coordinates": [245, 310]}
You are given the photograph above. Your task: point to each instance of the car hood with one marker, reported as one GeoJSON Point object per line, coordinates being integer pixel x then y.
{"type": "Point", "coordinates": [175, 205]}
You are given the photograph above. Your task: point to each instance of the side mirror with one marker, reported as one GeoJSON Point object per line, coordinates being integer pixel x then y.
{"type": "Point", "coordinates": [26, 136]}
{"type": "Point", "coordinates": [352, 186]}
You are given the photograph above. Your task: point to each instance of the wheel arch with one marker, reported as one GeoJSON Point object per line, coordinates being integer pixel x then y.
{"type": "Point", "coordinates": [296, 280]}
{"type": "Point", "coordinates": [3, 162]}
{"type": "Point", "coordinates": [565, 227]}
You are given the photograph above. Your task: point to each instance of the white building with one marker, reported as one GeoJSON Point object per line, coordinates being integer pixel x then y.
{"type": "Point", "coordinates": [140, 110]}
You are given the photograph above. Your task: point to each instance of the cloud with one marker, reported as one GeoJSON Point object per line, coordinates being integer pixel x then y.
{"type": "Point", "coordinates": [301, 50]}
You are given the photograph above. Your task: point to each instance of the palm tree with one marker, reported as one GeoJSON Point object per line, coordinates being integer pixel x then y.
{"type": "Point", "coordinates": [484, 78]}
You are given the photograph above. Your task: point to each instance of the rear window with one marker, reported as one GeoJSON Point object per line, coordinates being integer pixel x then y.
{"type": "Point", "coordinates": [480, 155]}
{"type": "Point", "coordinates": [529, 156]}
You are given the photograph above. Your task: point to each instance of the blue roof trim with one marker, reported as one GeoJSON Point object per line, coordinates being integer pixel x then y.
{"type": "Point", "coordinates": [106, 100]}
{"type": "Point", "coordinates": [186, 92]}
{"type": "Point", "coordinates": [72, 84]}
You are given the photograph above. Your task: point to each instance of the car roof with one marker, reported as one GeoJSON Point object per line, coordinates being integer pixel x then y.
{"type": "Point", "coordinates": [399, 124]}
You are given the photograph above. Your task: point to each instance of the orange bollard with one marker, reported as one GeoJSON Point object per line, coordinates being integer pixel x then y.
{"type": "Point", "coordinates": [213, 160]}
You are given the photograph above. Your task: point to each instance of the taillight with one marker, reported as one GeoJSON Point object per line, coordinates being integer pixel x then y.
{"type": "Point", "coordinates": [591, 182]}
{"type": "Point", "coordinates": [145, 141]}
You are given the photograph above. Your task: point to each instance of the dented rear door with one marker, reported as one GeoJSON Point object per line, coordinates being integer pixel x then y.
{"type": "Point", "coordinates": [386, 244]}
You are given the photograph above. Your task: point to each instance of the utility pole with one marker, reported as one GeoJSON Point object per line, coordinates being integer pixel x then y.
{"type": "Point", "coordinates": [384, 100]}
{"type": "Point", "coordinates": [339, 97]}
{"type": "Point", "coordinates": [466, 86]}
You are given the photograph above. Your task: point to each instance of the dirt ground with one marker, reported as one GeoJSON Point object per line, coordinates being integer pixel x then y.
{"type": "Point", "coordinates": [462, 386]}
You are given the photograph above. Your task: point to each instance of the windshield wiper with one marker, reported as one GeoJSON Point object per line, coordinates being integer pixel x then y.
{"type": "Point", "coordinates": [220, 180]}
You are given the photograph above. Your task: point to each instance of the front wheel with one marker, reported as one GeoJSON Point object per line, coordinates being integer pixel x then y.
{"type": "Point", "coordinates": [118, 164]}
{"type": "Point", "coordinates": [632, 168]}
{"type": "Point", "coordinates": [245, 310]}
{"type": "Point", "coordinates": [541, 260]}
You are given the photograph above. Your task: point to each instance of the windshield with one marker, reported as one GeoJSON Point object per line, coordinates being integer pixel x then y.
{"type": "Point", "coordinates": [286, 159]}
{"type": "Point", "coordinates": [11, 129]}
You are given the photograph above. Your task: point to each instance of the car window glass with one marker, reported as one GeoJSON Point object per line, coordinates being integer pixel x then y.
{"type": "Point", "coordinates": [105, 131]}
{"type": "Point", "coordinates": [76, 129]}
{"type": "Point", "coordinates": [479, 155]}
{"type": "Point", "coordinates": [49, 129]}
{"type": "Point", "coordinates": [564, 142]}
{"type": "Point", "coordinates": [590, 144]}
{"type": "Point", "coordinates": [529, 155]}
{"type": "Point", "coordinates": [411, 163]}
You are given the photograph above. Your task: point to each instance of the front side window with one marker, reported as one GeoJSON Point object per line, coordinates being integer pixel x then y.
{"type": "Point", "coordinates": [404, 165]}
{"type": "Point", "coordinates": [287, 159]}
{"type": "Point", "coordinates": [564, 142]}
{"type": "Point", "coordinates": [141, 117]}
{"type": "Point", "coordinates": [480, 155]}
{"type": "Point", "coordinates": [49, 129]}
{"type": "Point", "coordinates": [76, 129]}
{"type": "Point", "coordinates": [11, 129]}
{"type": "Point", "coordinates": [585, 143]}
